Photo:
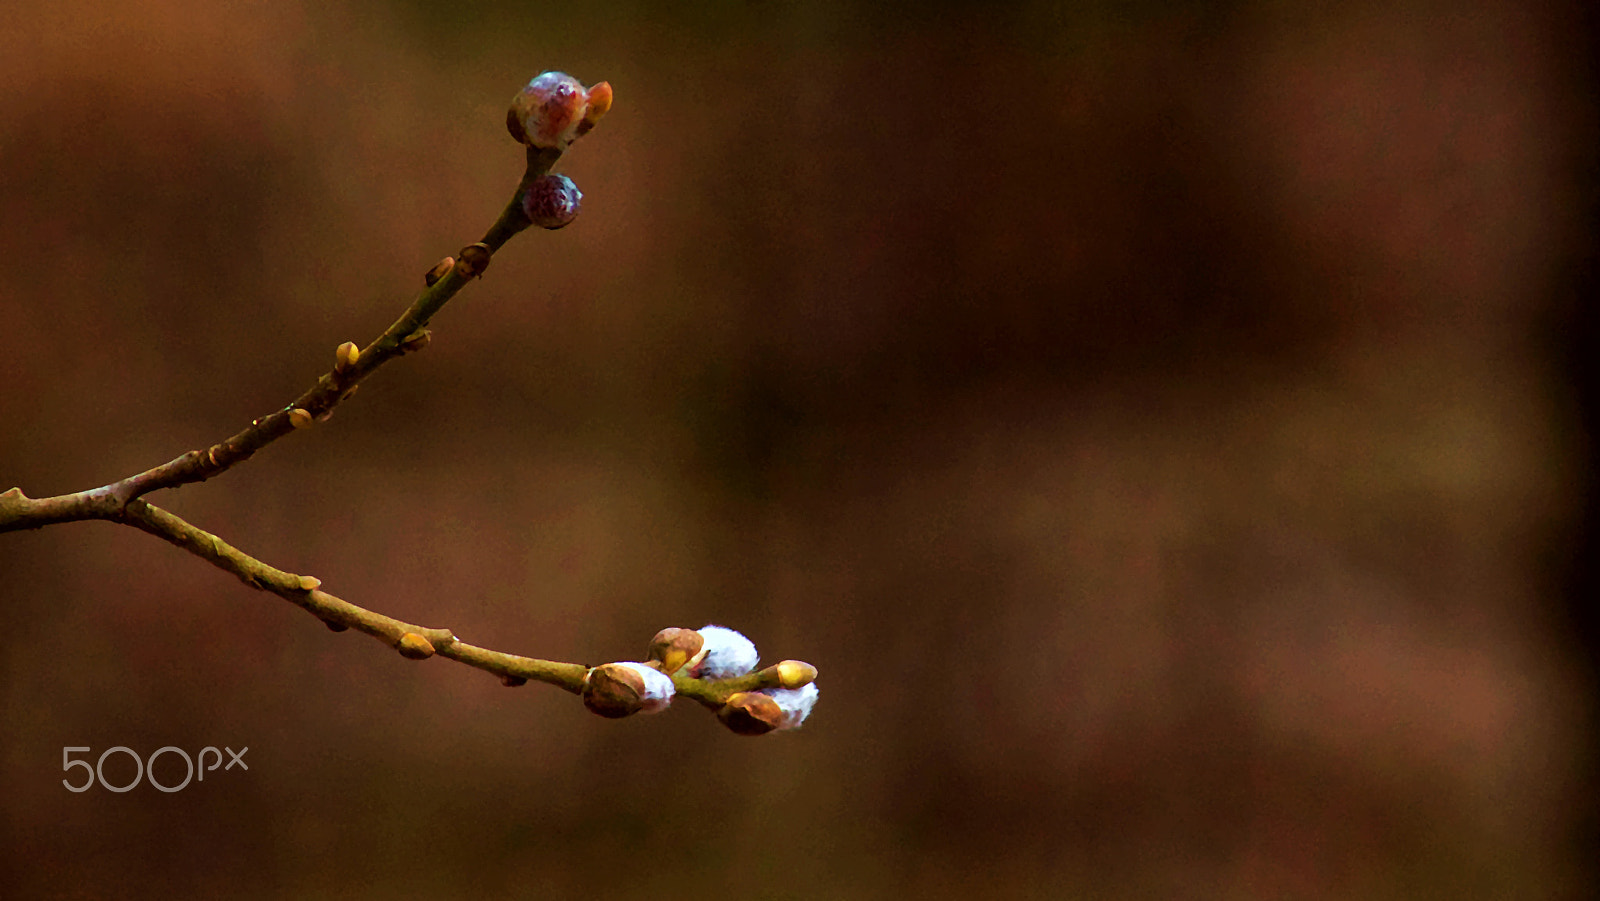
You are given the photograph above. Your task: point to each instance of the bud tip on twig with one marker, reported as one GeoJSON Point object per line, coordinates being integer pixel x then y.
{"type": "Point", "coordinates": [555, 109]}
{"type": "Point", "coordinates": [439, 270]}
{"type": "Point", "coordinates": [345, 356]}
{"type": "Point", "coordinates": [414, 647]}
{"type": "Point", "coordinates": [795, 673]}
{"type": "Point", "coordinates": [474, 259]}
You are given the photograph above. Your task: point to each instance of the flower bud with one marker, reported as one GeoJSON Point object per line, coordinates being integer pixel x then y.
{"type": "Point", "coordinates": [794, 704]}
{"type": "Point", "coordinates": [795, 673]}
{"type": "Point", "coordinates": [750, 713]}
{"type": "Point", "coordinates": [551, 109]}
{"type": "Point", "coordinates": [672, 648]}
{"type": "Point", "coordinates": [616, 690]}
{"type": "Point", "coordinates": [307, 583]}
{"type": "Point", "coordinates": [726, 654]}
{"type": "Point", "coordinates": [439, 270]}
{"type": "Point", "coordinates": [299, 418]}
{"type": "Point", "coordinates": [417, 340]}
{"type": "Point", "coordinates": [414, 646]}
{"type": "Point", "coordinates": [474, 259]}
{"type": "Point", "coordinates": [346, 356]}
{"type": "Point", "coordinates": [552, 201]}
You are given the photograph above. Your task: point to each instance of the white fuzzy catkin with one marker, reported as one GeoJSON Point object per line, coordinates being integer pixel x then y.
{"type": "Point", "coordinates": [658, 690]}
{"type": "Point", "coordinates": [726, 654]}
{"type": "Point", "coordinates": [796, 703]}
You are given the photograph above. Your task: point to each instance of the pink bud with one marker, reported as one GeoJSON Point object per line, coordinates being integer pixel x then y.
{"type": "Point", "coordinates": [549, 111]}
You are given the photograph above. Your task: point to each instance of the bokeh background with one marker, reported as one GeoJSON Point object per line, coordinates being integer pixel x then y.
{"type": "Point", "coordinates": [1156, 420]}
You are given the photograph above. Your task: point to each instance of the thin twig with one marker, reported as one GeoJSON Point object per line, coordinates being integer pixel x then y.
{"type": "Point", "coordinates": [306, 593]}
{"type": "Point", "coordinates": [18, 511]}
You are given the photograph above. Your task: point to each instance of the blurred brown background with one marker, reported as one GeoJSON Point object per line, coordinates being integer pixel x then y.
{"type": "Point", "coordinates": [1146, 416]}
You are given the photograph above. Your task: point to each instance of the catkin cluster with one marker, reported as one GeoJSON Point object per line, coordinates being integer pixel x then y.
{"type": "Point", "coordinates": [782, 698]}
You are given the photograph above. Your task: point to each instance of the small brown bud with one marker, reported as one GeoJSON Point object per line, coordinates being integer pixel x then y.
{"type": "Point", "coordinates": [334, 625]}
{"type": "Point", "coordinates": [417, 340]}
{"type": "Point", "coordinates": [414, 646]}
{"type": "Point", "coordinates": [512, 681]}
{"type": "Point", "coordinates": [474, 260]}
{"type": "Point", "coordinates": [750, 713]}
{"type": "Point", "coordinates": [600, 97]}
{"type": "Point", "coordinates": [346, 356]}
{"type": "Point", "coordinates": [795, 673]}
{"type": "Point", "coordinates": [309, 583]}
{"type": "Point", "coordinates": [672, 648]}
{"type": "Point", "coordinates": [613, 691]}
{"type": "Point", "coordinates": [299, 418]}
{"type": "Point", "coordinates": [439, 270]}
{"type": "Point", "coordinates": [211, 453]}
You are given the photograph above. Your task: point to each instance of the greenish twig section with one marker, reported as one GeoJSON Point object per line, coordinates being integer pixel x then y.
{"type": "Point", "coordinates": [713, 693]}
{"type": "Point", "coordinates": [339, 614]}
{"type": "Point", "coordinates": [17, 511]}
{"type": "Point", "coordinates": [306, 593]}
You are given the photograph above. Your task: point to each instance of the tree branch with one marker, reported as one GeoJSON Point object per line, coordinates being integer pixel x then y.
{"type": "Point", "coordinates": [553, 110]}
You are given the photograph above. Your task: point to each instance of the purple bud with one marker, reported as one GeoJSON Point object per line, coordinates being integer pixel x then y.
{"type": "Point", "coordinates": [552, 201]}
